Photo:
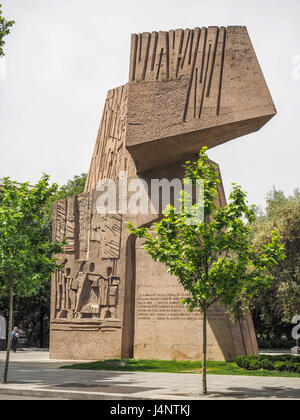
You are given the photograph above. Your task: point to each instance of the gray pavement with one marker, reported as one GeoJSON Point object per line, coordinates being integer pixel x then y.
{"type": "Point", "coordinates": [5, 397]}
{"type": "Point", "coordinates": [33, 374]}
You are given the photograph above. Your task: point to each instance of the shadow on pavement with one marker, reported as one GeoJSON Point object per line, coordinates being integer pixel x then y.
{"type": "Point", "coordinates": [265, 392]}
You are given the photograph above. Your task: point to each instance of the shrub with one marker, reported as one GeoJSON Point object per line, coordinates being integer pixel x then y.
{"type": "Point", "coordinates": [281, 363]}
{"type": "Point", "coordinates": [281, 366]}
{"type": "Point", "coordinates": [267, 364]}
{"type": "Point", "coordinates": [243, 362]}
{"type": "Point", "coordinates": [292, 367]}
{"type": "Point", "coordinates": [274, 343]}
{"type": "Point", "coordinates": [254, 364]}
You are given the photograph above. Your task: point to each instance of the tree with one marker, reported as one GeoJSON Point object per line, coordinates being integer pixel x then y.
{"type": "Point", "coordinates": [213, 259]}
{"type": "Point", "coordinates": [25, 255]}
{"type": "Point", "coordinates": [274, 308]}
{"type": "Point", "coordinates": [40, 304]}
{"type": "Point", "coordinates": [4, 30]}
{"type": "Point", "coordinates": [32, 313]}
{"type": "Point", "coordinates": [73, 187]}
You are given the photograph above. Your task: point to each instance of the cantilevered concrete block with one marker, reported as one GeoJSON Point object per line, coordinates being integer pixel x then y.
{"type": "Point", "coordinates": [190, 88]}
{"type": "Point", "coordinates": [186, 89]}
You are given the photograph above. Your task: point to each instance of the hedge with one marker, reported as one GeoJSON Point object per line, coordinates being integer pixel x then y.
{"type": "Point", "coordinates": [284, 363]}
{"type": "Point", "coordinates": [274, 343]}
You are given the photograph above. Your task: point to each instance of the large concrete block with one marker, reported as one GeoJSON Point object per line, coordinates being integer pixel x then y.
{"type": "Point", "coordinates": [190, 88]}
{"type": "Point", "coordinates": [186, 89]}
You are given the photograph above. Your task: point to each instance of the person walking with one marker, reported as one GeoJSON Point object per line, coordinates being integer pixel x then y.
{"type": "Point", "coordinates": [15, 339]}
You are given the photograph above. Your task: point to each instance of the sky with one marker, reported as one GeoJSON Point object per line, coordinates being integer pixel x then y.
{"type": "Point", "coordinates": [64, 55]}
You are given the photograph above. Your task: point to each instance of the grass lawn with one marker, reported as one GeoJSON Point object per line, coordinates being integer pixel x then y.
{"type": "Point", "coordinates": [174, 366]}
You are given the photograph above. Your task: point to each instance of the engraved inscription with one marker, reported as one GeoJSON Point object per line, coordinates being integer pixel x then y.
{"type": "Point", "coordinates": [164, 307]}
{"type": "Point", "coordinates": [167, 307]}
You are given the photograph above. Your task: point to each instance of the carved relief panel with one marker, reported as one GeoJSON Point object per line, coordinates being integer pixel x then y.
{"type": "Point", "coordinates": [88, 285]}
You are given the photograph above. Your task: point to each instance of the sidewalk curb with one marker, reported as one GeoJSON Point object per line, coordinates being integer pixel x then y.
{"type": "Point", "coordinates": [71, 395]}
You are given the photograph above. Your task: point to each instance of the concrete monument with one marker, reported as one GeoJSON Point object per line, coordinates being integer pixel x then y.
{"type": "Point", "coordinates": [186, 89]}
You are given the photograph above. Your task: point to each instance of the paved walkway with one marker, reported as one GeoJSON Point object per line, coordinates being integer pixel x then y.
{"type": "Point", "coordinates": [34, 374]}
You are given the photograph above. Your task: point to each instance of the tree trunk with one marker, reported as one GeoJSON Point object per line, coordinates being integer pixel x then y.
{"type": "Point", "coordinates": [204, 382]}
{"type": "Point", "coordinates": [41, 334]}
{"type": "Point", "coordinates": [11, 302]}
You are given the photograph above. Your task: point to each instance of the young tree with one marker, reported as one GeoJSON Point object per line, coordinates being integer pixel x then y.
{"type": "Point", "coordinates": [35, 310]}
{"type": "Point", "coordinates": [4, 30]}
{"type": "Point", "coordinates": [213, 259]}
{"type": "Point", "coordinates": [274, 308]}
{"type": "Point", "coordinates": [74, 186]}
{"type": "Point", "coordinates": [25, 254]}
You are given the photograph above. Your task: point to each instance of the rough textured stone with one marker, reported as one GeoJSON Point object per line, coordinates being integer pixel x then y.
{"type": "Point", "coordinates": [192, 88]}
{"type": "Point", "coordinates": [186, 89]}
